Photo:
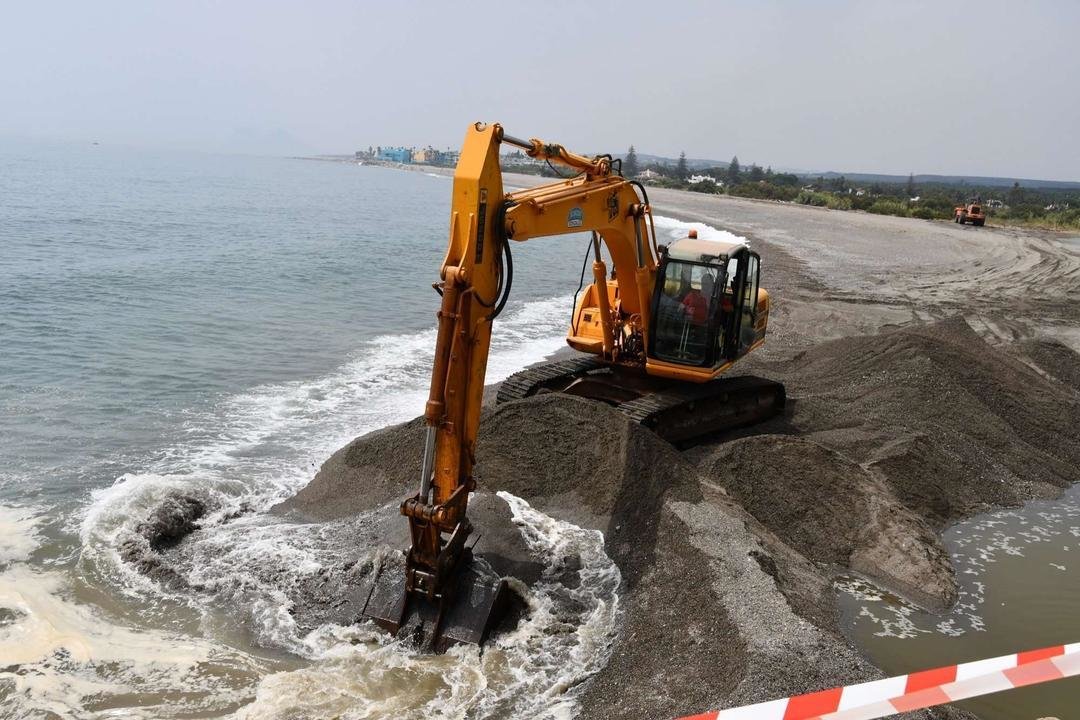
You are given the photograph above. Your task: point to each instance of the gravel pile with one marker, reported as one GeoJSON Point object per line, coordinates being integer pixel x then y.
{"type": "Point", "coordinates": [719, 608]}
{"type": "Point", "coordinates": [834, 513]}
{"type": "Point", "coordinates": [728, 550]}
{"type": "Point", "coordinates": [952, 425]}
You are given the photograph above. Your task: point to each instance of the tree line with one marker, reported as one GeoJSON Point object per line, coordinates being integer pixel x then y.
{"type": "Point", "coordinates": [1043, 207]}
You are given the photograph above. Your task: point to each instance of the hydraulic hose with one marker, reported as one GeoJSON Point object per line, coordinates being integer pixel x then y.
{"type": "Point", "coordinates": [652, 227]}
{"type": "Point", "coordinates": [506, 267]}
{"type": "Point", "coordinates": [639, 186]}
{"type": "Point", "coordinates": [509, 265]}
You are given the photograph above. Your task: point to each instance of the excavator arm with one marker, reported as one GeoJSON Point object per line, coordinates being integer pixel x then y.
{"type": "Point", "coordinates": [474, 283]}
{"type": "Point", "coordinates": [610, 208]}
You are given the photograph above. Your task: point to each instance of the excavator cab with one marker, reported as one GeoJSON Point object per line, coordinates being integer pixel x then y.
{"type": "Point", "coordinates": [706, 308]}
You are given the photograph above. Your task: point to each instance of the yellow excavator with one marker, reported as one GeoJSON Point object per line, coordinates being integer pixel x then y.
{"type": "Point", "coordinates": [655, 337]}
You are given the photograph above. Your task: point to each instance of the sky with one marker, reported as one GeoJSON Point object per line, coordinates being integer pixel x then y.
{"type": "Point", "coordinates": [986, 88]}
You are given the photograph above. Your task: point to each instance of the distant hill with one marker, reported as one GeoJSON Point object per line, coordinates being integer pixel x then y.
{"type": "Point", "coordinates": [692, 163]}
{"type": "Point", "coordinates": [976, 180]}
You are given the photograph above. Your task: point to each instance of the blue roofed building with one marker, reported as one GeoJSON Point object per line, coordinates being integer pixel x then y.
{"type": "Point", "coordinates": [395, 154]}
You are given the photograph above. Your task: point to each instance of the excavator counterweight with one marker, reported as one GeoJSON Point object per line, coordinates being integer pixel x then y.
{"type": "Point", "coordinates": [657, 334]}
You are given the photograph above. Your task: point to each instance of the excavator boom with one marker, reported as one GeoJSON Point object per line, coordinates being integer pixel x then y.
{"type": "Point", "coordinates": [471, 286]}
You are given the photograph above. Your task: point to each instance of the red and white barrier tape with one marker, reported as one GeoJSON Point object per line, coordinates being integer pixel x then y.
{"type": "Point", "coordinates": [881, 698]}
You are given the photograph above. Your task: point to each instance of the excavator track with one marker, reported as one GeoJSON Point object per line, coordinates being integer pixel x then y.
{"type": "Point", "coordinates": [681, 413]}
{"type": "Point", "coordinates": [687, 414]}
{"type": "Point", "coordinates": [533, 379]}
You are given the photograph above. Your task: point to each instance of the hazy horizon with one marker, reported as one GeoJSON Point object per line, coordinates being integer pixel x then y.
{"type": "Point", "coordinates": [972, 89]}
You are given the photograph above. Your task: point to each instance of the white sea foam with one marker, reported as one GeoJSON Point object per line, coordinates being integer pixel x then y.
{"type": "Point", "coordinates": [533, 671]}
{"type": "Point", "coordinates": [668, 229]}
{"type": "Point", "coordinates": [18, 533]}
{"type": "Point", "coordinates": [67, 658]}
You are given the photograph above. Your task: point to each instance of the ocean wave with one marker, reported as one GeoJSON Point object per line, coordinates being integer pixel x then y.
{"type": "Point", "coordinates": [78, 660]}
{"type": "Point", "coordinates": [256, 448]}
{"type": "Point", "coordinates": [19, 529]}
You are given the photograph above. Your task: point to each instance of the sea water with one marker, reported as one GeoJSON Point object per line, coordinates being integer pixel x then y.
{"type": "Point", "coordinates": [1017, 577]}
{"type": "Point", "coordinates": [222, 324]}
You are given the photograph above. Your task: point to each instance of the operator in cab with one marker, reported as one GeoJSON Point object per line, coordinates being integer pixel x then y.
{"type": "Point", "coordinates": [696, 302]}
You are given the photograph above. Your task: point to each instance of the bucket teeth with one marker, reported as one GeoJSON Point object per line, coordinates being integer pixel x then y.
{"type": "Point", "coordinates": [465, 614]}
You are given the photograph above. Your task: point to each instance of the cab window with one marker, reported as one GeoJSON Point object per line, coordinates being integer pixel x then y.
{"type": "Point", "coordinates": [684, 306]}
{"type": "Point", "coordinates": [747, 334]}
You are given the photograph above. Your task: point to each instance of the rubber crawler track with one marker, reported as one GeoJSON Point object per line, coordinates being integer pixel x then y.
{"type": "Point", "coordinates": [680, 413]}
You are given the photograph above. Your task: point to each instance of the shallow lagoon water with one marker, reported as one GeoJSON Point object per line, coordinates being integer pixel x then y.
{"type": "Point", "coordinates": [1019, 575]}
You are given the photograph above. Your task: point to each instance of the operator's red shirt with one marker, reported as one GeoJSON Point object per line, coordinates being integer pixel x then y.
{"type": "Point", "coordinates": [697, 308]}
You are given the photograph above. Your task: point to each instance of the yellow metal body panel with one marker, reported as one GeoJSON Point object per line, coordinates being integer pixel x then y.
{"type": "Point", "coordinates": [586, 330]}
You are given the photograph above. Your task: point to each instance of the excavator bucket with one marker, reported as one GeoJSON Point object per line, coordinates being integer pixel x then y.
{"type": "Point", "coordinates": [466, 614]}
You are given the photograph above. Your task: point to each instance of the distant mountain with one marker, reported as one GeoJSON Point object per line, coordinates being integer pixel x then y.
{"type": "Point", "coordinates": [977, 180]}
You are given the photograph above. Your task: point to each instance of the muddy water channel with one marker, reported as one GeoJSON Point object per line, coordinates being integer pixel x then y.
{"type": "Point", "coordinates": [1019, 575]}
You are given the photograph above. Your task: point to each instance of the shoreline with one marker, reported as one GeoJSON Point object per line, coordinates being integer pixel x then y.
{"type": "Point", "coordinates": [525, 181]}
{"type": "Point", "coordinates": [869, 319]}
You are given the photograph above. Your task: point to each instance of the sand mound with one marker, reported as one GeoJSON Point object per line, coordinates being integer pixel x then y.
{"type": "Point", "coordinates": [953, 425]}
{"type": "Point", "coordinates": [833, 512]}
{"type": "Point", "coordinates": [585, 460]}
{"type": "Point", "coordinates": [544, 448]}
{"type": "Point", "coordinates": [1056, 360]}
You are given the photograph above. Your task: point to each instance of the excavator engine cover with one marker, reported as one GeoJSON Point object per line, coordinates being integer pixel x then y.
{"type": "Point", "coordinates": [472, 608]}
